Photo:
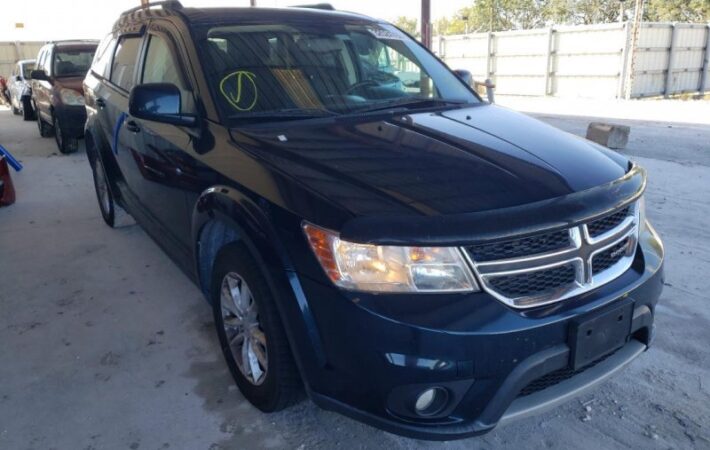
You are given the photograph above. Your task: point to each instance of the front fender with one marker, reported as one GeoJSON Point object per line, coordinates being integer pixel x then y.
{"type": "Point", "coordinates": [223, 215]}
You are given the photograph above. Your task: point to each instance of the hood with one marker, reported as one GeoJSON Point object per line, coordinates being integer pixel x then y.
{"type": "Point", "coordinates": [75, 83]}
{"type": "Point", "coordinates": [461, 161]}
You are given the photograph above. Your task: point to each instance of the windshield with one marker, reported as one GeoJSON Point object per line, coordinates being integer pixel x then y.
{"type": "Point", "coordinates": [72, 62]}
{"type": "Point", "coordinates": [300, 70]}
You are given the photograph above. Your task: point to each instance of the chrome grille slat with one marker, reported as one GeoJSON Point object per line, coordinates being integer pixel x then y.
{"type": "Point", "coordinates": [613, 250]}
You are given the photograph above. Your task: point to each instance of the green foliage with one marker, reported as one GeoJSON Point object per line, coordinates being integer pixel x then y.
{"type": "Point", "coordinates": [501, 15]}
{"type": "Point", "coordinates": [408, 24]}
{"type": "Point", "coordinates": [678, 11]}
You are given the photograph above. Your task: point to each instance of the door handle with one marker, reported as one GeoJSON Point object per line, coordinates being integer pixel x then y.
{"type": "Point", "coordinates": [101, 103]}
{"type": "Point", "coordinates": [132, 126]}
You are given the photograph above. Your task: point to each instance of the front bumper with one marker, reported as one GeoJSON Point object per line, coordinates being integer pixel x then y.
{"type": "Point", "coordinates": [382, 350]}
{"type": "Point", "coordinates": [72, 119]}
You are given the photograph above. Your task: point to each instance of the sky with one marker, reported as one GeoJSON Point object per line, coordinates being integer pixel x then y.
{"type": "Point", "coordinates": [54, 19]}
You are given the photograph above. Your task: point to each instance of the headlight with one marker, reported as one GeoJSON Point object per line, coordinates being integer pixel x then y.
{"type": "Point", "coordinates": [71, 97]}
{"type": "Point", "coordinates": [376, 268]}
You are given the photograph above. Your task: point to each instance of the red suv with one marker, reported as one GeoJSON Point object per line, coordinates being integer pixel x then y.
{"type": "Point", "coordinates": [57, 92]}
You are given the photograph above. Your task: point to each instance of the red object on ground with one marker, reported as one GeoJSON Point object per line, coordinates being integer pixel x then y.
{"type": "Point", "coordinates": [7, 191]}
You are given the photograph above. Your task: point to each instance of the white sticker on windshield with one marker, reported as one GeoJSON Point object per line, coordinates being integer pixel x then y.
{"type": "Point", "coordinates": [383, 33]}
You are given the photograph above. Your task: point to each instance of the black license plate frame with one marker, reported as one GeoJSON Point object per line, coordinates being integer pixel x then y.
{"type": "Point", "coordinates": [594, 336]}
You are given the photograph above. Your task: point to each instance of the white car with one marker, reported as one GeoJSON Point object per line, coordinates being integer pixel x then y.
{"type": "Point", "coordinates": [20, 89]}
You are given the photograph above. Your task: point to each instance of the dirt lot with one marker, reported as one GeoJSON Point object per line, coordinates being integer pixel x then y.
{"type": "Point", "coordinates": [104, 344]}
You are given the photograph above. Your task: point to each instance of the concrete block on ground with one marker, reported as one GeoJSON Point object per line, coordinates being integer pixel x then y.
{"type": "Point", "coordinates": [609, 135]}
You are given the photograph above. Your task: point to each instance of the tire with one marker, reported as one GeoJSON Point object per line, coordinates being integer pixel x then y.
{"type": "Point", "coordinates": [66, 144]}
{"type": "Point", "coordinates": [15, 111]}
{"type": "Point", "coordinates": [27, 113]}
{"type": "Point", "coordinates": [112, 213]}
{"type": "Point", "coordinates": [103, 194]}
{"type": "Point", "coordinates": [45, 130]}
{"type": "Point", "coordinates": [279, 385]}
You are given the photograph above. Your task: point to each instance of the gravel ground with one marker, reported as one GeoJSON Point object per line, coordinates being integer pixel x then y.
{"type": "Point", "coordinates": [104, 344]}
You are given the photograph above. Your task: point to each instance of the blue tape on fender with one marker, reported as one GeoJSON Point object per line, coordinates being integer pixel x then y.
{"type": "Point", "coordinates": [15, 164]}
{"type": "Point", "coordinates": [116, 129]}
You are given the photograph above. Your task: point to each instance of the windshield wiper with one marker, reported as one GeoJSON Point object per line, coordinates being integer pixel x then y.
{"type": "Point", "coordinates": [284, 114]}
{"type": "Point", "coordinates": [410, 103]}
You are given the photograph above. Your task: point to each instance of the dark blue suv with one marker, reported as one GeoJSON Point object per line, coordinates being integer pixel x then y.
{"type": "Point", "coordinates": [365, 227]}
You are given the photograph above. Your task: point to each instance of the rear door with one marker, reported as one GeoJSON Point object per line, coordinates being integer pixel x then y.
{"type": "Point", "coordinates": [161, 154]}
{"type": "Point", "coordinates": [96, 90]}
{"type": "Point", "coordinates": [114, 95]}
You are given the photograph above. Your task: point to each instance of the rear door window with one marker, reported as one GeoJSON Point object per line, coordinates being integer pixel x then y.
{"type": "Point", "coordinates": [124, 62]}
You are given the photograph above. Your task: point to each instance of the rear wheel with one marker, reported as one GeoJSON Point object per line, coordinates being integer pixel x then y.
{"type": "Point", "coordinates": [67, 144]}
{"type": "Point", "coordinates": [250, 332]}
{"type": "Point", "coordinates": [103, 194]}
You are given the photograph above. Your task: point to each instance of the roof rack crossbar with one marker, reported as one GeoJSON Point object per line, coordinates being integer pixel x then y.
{"type": "Point", "coordinates": [175, 4]}
{"type": "Point", "coordinates": [324, 6]}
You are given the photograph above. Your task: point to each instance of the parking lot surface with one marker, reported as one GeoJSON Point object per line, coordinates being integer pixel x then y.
{"type": "Point", "coordinates": [105, 344]}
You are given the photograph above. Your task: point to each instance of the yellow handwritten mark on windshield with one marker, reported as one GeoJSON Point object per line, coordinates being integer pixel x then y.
{"type": "Point", "coordinates": [239, 88]}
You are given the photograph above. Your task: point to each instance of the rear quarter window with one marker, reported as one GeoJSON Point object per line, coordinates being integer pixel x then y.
{"type": "Point", "coordinates": [124, 62]}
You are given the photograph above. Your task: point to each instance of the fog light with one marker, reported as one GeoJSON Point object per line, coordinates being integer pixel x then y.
{"type": "Point", "coordinates": [431, 401]}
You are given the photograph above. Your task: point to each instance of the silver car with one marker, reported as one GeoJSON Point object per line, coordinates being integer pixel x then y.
{"type": "Point", "coordinates": [21, 90]}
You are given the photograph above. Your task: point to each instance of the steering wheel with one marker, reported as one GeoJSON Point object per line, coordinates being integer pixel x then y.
{"type": "Point", "coordinates": [361, 84]}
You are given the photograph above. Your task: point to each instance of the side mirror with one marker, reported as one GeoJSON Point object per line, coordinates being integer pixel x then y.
{"type": "Point", "coordinates": [465, 75]}
{"type": "Point", "coordinates": [40, 75]}
{"type": "Point", "coordinates": [18, 78]}
{"type": "Point", "coordinates": [159, 102]}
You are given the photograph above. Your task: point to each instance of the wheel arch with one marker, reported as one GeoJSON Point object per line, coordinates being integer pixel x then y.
{"type": "Point", "coordinates": [223, 215]}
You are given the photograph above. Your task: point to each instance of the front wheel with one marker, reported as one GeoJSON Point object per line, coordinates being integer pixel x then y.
{"type": "Point", "coordinates": [45, 130]}
{"type": "Point", "coordinates": [27, 112]}
{"type": "Point", "coordinates": [251, 333]}
{"type": "Point", "coordinates": [67, 144]}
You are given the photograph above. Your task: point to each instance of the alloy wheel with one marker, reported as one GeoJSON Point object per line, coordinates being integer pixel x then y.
{"type": "Point", "coordinates": [245, 336]}
{"type": "Point", "coordinates": [102, 188]}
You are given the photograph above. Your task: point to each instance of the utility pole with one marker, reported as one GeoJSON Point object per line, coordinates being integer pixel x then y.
{"type": "Point", "coordinates": [252, 3]}
{"type": "Point", "coordinates": [635, 30]}
{"type": "Point", "coordinates": [490, 18]}
{"type": "Point", "coordinates": [426, 23]}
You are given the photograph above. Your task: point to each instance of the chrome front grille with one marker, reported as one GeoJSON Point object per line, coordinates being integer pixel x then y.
{"type": "Point", "coordinates": [550, 267]}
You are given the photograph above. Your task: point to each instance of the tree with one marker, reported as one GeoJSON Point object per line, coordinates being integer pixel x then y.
{"type": "Point", "coordinates": [678, 11]}
{"type": "Point", "coordinates": [408, 24]}
{"type": "Point", "coordinates": [494, 15]}
{"type": "Point", "coordinates": [585, 12]}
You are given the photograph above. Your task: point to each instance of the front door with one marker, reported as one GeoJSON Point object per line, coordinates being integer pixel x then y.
{"type": "Point", "coordinates": [161, 154]}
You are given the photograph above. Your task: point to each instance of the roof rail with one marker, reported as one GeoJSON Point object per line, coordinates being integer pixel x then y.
{"type": "Point", "coordinates": [167, 4]}
{"type": "Point", "coordinates": [323, 6]}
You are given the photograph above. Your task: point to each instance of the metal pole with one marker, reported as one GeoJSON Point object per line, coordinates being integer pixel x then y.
{"type": "Point", "coordinates": [706, 61]}
{"type": "Point", "coordinates": [638, 14]}
{"type": "Point", "coordinates": [252, 3]}
{"type": "Point", "coordinates": [548, 61]}
{"type": "Point", "coordinates": [426, 23]}
{"type": "Point", "coordinates": [626, 30]}
{"type": "Point", "coordinates": [671, 54]}
{"type": "Point", "coordinates": [489, 56]}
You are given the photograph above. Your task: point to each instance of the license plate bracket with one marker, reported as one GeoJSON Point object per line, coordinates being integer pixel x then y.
{"type": "Point", "coordinates": [594, 336]}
